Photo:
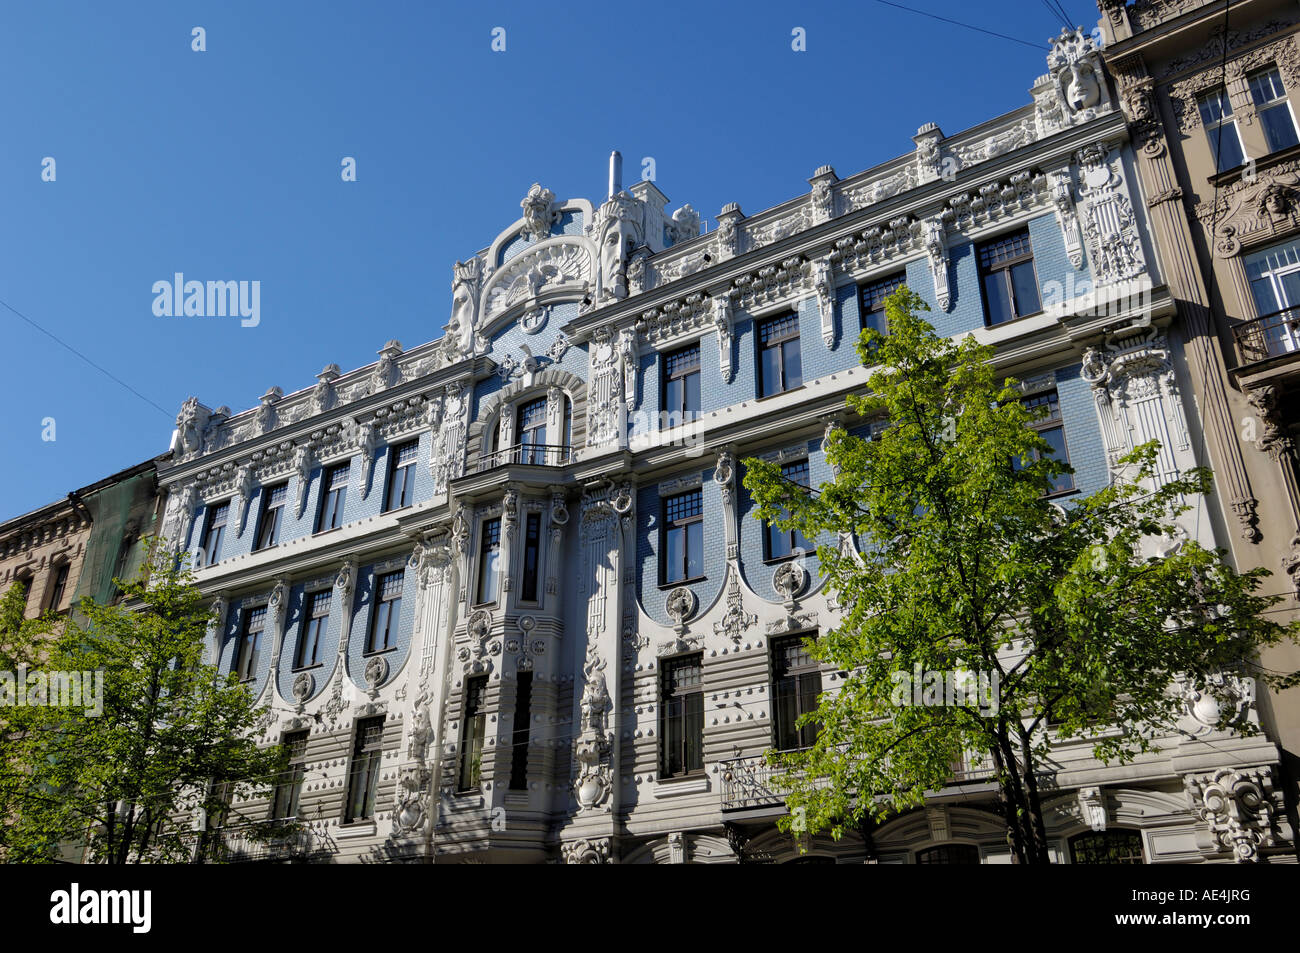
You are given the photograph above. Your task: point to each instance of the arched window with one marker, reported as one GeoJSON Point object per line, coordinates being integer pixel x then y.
{"type": "Point", "coordinates": [949, 854]}
{"type": "Point", "coordinates": [58, 586]}
{"type": "Point", "coordinates": [1116, 846]}
{"type": "Point", "coordinates": [536, 438]}
{"type": "Point", "coordinates": [24, 583]}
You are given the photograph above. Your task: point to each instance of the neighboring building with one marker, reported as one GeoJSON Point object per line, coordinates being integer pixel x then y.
{"type": "Point", "coordinates": [42, 551]}
{"type": "Point", "coordinates": [504, 594]}
{"type": "Point", "coordinates": [1214, 120]}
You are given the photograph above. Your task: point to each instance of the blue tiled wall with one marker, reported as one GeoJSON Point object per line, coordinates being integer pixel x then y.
{"type": "Point", "coordinates": [363, 602]}
{"type": "Point", "coordinates": [327, 650]}
{"type": "Point", "coordinates": [649, 539]}
{"type": "Point", "coordinates": [230, 643]}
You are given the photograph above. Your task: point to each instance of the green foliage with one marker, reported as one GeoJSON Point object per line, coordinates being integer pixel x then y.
{"type": "Point", "coordinates": [174, 734]}
{"type": "Point", "coordinates": [966, 564]}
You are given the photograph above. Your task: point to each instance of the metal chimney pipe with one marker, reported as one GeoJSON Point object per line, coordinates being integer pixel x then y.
{"type": "Point", "coordinates": [615, 173]}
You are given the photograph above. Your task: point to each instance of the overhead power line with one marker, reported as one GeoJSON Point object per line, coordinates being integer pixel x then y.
{"type": "Point", "coordinates": [967, 26]}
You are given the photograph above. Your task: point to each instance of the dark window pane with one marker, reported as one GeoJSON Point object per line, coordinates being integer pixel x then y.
{"type": "Point", "coordinates": [1279, 127]}
{"type": "Point", "coordinates": [793, 366]}
{"type": "Point", "coordinates": [770, 372]}
{"type": "Point", "coordinates": [691, 398]}
{"type": "Point", "coordinates": [676, 554]}
{"type": "Point", "coordinates": [1026, 288]}
{"type": "Point", "coordinates": [997, 298]}
{"type": "Point", "coordinates": [695, 550]}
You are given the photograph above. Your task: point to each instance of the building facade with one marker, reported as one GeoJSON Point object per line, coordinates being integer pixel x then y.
{"type": "Point", "coordinates": [504, 595]}
{"type": "Point", "coordinates": [1209, 89]}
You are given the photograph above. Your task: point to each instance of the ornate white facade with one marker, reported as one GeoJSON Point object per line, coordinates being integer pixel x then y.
{"type": "Point", "coordinates": [520, 717]}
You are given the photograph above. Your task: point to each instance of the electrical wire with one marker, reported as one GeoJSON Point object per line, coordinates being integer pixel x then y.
{"type": "Point", "coordinates": [968, 26]}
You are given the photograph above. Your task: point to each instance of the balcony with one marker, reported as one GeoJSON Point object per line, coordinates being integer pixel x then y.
{"type": "Point", "coordinates": [749, 783]}
{"type": "Point", "coordinates": [267, 842]}
{"type": "Point", "coordinates": [527, 454]}
{"type": "Point", "coordinates": [1267, 337]}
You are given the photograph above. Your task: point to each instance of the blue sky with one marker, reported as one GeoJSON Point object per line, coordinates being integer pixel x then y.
{"type": "Point", "coordinates": [225, 164]}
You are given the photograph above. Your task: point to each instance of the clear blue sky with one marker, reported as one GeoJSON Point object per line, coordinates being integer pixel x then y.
{"type": "Point", "coordinates": [225, 165]}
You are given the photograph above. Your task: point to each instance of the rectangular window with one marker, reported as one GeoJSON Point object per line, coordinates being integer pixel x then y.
{"type": "Point", "coordinates": [789, 542]}
{"type": "Point", "coordinates": [682, 716]}
{"type": "Point", "coordinates": [473, 728]}
{"type": "Point", "coordinates": [519, 741]}
{"type": "Point", "coordinates": [273, 500]}
{"type": "Point", "coordinates": [250, 643]}
{"type": "Point", "coordinates": [796, 684]}
{"type": "Point", "coordinates": [683, 537]}
{"type": "Point", "coordinates": [779, 367]}
{"type": "Point", "coordinates": [401, 475]}
{"type": "Point", "coordinates": [532, 432]}
{"type": "Point", "coordinates": [532, 556]}
{"type": "Point", "coordinates": [388, 610]}
{"type": "Point", "coordinates": [1274, 276]}
{"type": "Point", "coordinates": [1274, 110]}
{"type": "Point", "coordinates": [58, 587]}
{"type": "Point", "coordinates": [1010, 285]}
{"type": "Point", "coordinates": [682, 385]}
{"type": "Point", "coordinates": [1221, 129]}
{"type": "Point", "coordinates": [489, 559]}
{"type": "Point", "coordinates": [363, 780]}
{"type": "Point", "coordinates": [215, 532]}
{"type": "Point", "coordinates": [1047, 407]}
{"type": "Point", "coordinates": [315, 623]}
{"type": "Point", "coordinates": [288, 788]}
{"type": "Point", "coordinates": [334, 494]}
{"type": "Point", "coordinates": [873, 295]}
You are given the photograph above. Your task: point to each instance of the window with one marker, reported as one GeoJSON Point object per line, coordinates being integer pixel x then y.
{"type": "Point", "coordinates": [779, 368]}
{"type": "Point", "coordinates": [873, 298]}
{"type": "Point", "coordinates": [1052, 429]}
{"type": "Point", "coordinates": [250, 643]}
{"type": "Point", "coordinates": [532, 555]}
{"type": "Point", "coordinates": [1116, 846]}
{"type": "Point", "coordinates": [119, 567]}
{"type": "Point", "coordinates": [1006, 267]}
{"type": "Point", "coordinates": [949, 854]}
{"type": "Point", "coordinates": [214, 532]}
{"type": "Point", "coordinates": [1274, 110]}
{"type": "Point", "coordinates": [796, 683]}
{"type": "Point", "coordinates": [388, 609]}
{"type": "Point", "coordinates": [682, 716]}
{"type": "Point", "coordinates": [363, 781]}
{"type": "Point", "coordinates": [683, 537]}
{"type": "Point", "coordinates": [489, 559]}
{"type": "Point", "coordinates": [315, 623]}
{"type": "Point", "coordinates": [273, 500]}
{"type": "Point", "coordinates": [334, 485]}
{"type": "Point", "coordinates": [1274, 276]}
{"type": "Point", "coordinates": [401, 475]}
{"type": "Point", "coordinates": [1221, 129]}
{"type": "Point", "coordinates": [473, 727]}
{"type": "Point", "coordinates": [519, 741]}
{"type": "Point", "coordinates": [288, 788]}
{"type": "Point", "coordinates": [58, 586]}
{"type": "Point", "coordinates": [783, 543]}
{"type": "Point", "coordinates": [682, 386]}
{"type": "Point", "coordinates": [25, 584]}
{"type": "Point", "coordinates": [532, 432]}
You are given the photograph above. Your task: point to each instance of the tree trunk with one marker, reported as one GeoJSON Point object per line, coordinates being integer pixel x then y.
{"type": "Point", "coordinates": [1040, 852]}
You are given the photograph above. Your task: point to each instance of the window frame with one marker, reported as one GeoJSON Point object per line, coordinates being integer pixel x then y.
{"type": "Point", "coordinates": [1004, 268]}
{"type": "Point", "coordinates": [1278, 102]}
{"type": "Point", "coordinates": [683, 524]}
{"type": "Point", "coordinates": [806, 735]}
{"type": "Point", "coordinates": [894, 280]}
{"type": "Point", "coordinates": [58, 585]}
{"type": "Point", "coordinates": [1227, 117]}
{"type": "Point", "coordinates": [364, 769]}
{"type": "Point", "coordinates": [670, 697]}
{"type": "Point", "coordinates": [531, 567]}
{"type": "Point", "coordinates": [488, 544]}
{"type": "Point", "coordinates": [249, 651]}
{"type": "Point", "coordinates": [778, 344]}
{"type": "Point", "coordinates": [473, 734]}
{"type": "Point", "coordinates": [286, 802]}
{"type": "Point", "coordinates": [1074, 842]}
{"type": "Point", "coordinates": [309, 617]}
{"type": "Point", "coordinates": [794, 535]}
{"type": "Point", "coordinates": [520, 733]}
{"type": "Point", "coordinates": [269, 504]}
{"type": "Point", "coordinates": [532, 451]}
{"type": "Point", "coordinates": [333, 499]}
{"type": "Point", "coordinates": [670, 373]}
{"type": "Point", "coordinates": [211, 553]}
{"type": "Point", "coordinates": [392, 615]}
{"type": "Point", "coordinates": [407, 496]}
{"type": "Point", "coordinates": [1052, 421]}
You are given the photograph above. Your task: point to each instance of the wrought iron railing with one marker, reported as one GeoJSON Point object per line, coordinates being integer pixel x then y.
{"type": "Point", "coordinates": [1270, 335]}
{"type": "Point", "coordinates": [750, 782]}
{"type": "Point", "coordinates": [527, 454]}
{"type": "Point", "coordinates": [279, 841]}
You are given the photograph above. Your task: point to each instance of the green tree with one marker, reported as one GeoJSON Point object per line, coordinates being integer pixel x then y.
{"type": "Point", "coordinates": [966, 565]}
{"type": "Point", "coordinates": [174, 735]}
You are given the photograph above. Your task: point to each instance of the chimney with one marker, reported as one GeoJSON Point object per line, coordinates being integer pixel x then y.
{"type": "Point", "coordinates": [615, 173]}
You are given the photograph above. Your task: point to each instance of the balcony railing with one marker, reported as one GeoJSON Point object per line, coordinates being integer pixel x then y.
{"type": "Point", "coordinates": [282, 841]}
{"type": "Point", "coordinates": [1271, 335]}
{"type": "Point", "coordinates": [527, 454]}
{"type": "Point", "coordinates": [749, 782]}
